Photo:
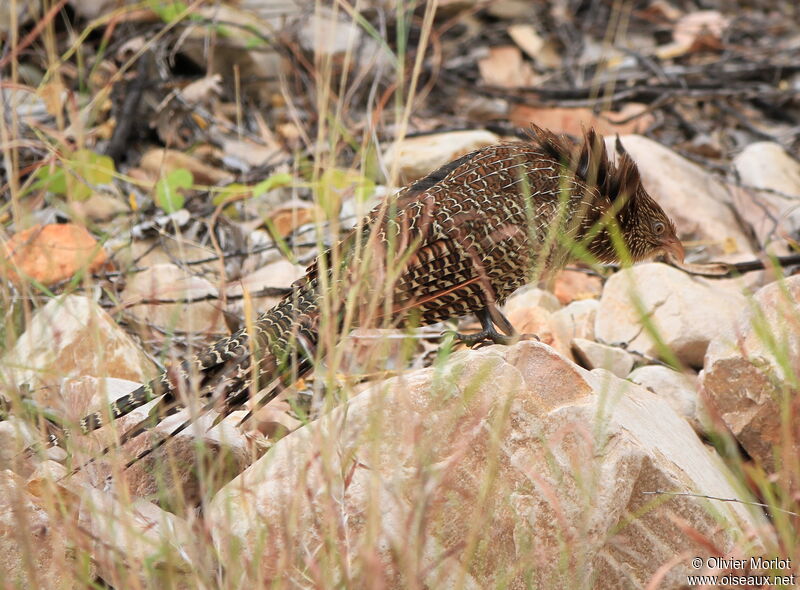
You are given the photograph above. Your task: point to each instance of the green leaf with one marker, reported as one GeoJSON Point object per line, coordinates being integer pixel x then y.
{"type": "Point", "coordinates": [272, 182]}
{"type": "Point", "coordinates": [50, 180]}
{"type": "Point", "coordinates": [169, 195]}
{"type": "Point", "coordinates": [76, 177]}
{"type": "Point", "coordinates": [89, 169]}
{"type": "Point", "coordinates": [364, 189]}
{"type": "Point", "coordinates": [94, 168]}
{"type": "Point", "coordinates": [168, 11]}
{"type": "Point", "coordinates": [335, 183]}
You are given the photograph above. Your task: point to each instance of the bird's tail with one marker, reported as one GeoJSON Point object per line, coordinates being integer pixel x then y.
{"type": "Point", "coordinates": [272, 353]}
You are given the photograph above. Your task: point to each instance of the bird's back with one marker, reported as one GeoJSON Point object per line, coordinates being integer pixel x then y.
{"type": "Point", "coordinates": [471, 233]}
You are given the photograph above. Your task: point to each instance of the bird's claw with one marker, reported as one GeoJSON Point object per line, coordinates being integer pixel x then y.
{"type": "Point", "coordinates": [483, 338]}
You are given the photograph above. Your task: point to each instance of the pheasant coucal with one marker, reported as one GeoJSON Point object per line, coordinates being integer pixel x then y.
{"type": "Point", "coordinates": [456, 242]}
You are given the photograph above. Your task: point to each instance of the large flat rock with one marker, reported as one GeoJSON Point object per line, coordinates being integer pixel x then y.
{"type": "Point", "coordinates": [508, 466]}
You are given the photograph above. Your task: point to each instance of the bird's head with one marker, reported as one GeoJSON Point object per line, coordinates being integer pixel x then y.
{"type": "Point", "coordinates": [647, 230]}
{"type": "Point", "coordinates": [624, 204]}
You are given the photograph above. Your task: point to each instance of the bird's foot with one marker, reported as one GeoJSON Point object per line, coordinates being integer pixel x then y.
{"type": "Point", "coordinates": [484, 338]}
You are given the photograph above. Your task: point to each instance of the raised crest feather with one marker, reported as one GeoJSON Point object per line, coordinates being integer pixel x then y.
{"type": "Point", "coordinates": [589, 161]}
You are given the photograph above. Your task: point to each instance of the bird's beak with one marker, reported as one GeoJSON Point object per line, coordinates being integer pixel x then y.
{"type": "Point", "coordinates": [674, 248]}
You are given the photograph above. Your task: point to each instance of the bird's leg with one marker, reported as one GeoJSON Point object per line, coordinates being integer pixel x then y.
{"type": "Point", "coordinates": [489, 316]}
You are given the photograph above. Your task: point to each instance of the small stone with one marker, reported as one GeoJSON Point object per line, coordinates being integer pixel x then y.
{"type": "Point", "coordinates": [572, 285]}
{"type": "Point", "coordinates": [686, 313]}
{"type": "Point", "coordinates": [15, 436]}
{"type": "Point", "coordinates": [532, 297]}
{"type": "Point", "coordinates": [100, 207]}
{"type": "Point", "coordinates": [52, 253]}
{"type": "Point", "coordinates": [679, 389]}
{"type": "Point", "coordinates": [167, 283]}
{"type": "Point", "coordinates": [72, 336]}
{"type": "Point", "coordinates": [592, 355]}
{"type": "Point", "coordinates": [278, 274]}
{"type": "Point", "coordinates": [416, 157]}
{"type": "Point", "coordinates": [576, 320]}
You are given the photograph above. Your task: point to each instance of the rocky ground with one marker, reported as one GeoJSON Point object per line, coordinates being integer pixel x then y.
{"type": "Point", "coordinates": [654, 421]}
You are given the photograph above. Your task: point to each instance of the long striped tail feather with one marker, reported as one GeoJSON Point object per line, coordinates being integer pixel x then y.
{"type": "Point", "coordinates": [230, 406]}
{"type": "Point", "coordinates": [226, 376]}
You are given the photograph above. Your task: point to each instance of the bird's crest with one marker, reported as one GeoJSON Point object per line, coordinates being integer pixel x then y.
{"type": "Point", "coordinates": [590, 163]}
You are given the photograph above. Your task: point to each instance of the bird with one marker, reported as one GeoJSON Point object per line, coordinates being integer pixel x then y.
{"type": "Point", "coordinates": [459, 241]}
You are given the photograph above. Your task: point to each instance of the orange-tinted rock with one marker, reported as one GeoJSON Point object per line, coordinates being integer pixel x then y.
{"type": "Point", "coordinates": [52, 253]}
{"type": "Point", "coordinates": [572, 285]}
{"type": "Point", "coordinates": [490, 467]}
{"type": "Point", "coordinates": [36, 550]}
{"type": "Point", "coordinates": [291, 216]}
{"type": "Point", "coordinates": [750, 375]}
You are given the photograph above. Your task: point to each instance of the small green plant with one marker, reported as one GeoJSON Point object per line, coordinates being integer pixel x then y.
{"type": "Point", "coordinates": [169, 190]}
{"type": "Point", "coordinates": [168, 10]}
{"type": "Point", "coordinates": [237, 189]}
{"type": "Point", "coordinates": [80, 171]}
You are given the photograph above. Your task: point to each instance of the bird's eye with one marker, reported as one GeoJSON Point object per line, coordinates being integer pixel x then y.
{"type": "Point", "coordinates": [659, 227]}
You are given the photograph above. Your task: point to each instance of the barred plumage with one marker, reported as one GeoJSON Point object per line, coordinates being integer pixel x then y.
{"type": "Point", "coordinates": [459, 241]}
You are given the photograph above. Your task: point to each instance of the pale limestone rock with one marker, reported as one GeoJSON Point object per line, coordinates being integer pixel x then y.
{"type": "Point", "coordinates": [78, 396]}
{"type": "Point", "coordinates": [593, 355]}
{"type": "Point", "coordinates": [576, 320]}
{"type": "Point", "coordinates": [72, 336]}
{"type": "Point", "coordinates": [532, 297]}
{"type": "Point", "coordinates": [698, 203]}
{"type": "Point", "coordinates": [750, 369]}
{"type": "Point", "coordinates": [679, 389]}
{"type": "Point", "coordinates": [25, 12]}
{"type": "Point", "coordinates": [171, 283]}
{"type": "Point", "coordinates": [169, 474]}
{"type": "Point", "coordinates": [92, 9]}
{"type": "Point", "coordinates": [280, 273]}
{"type": "Point", "coordinates": [491, 468]}
{"type": "Point", "coordinates": [35, 549]}
{"type": "Point", "coordinates": [416, 157]}
{"type": "Point", "coordinates": [100, 207]}
{"type": "Point", "coordinates": [15, 436]}
{"type": "Point", "coordinates": [326, 33]}
{"type": "Point", "coordinates": [137, 544]}
{"type": "Point", "coordinates": [687, 313]}
{"type": "Point", "coordinates": [766, 165]}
